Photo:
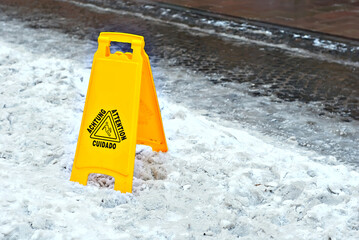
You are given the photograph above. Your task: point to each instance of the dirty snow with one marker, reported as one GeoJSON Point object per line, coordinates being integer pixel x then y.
{"type": "Point", "coordinates": [219, 180]}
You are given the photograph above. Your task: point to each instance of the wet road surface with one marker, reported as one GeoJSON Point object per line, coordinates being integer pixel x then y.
{"type": "Point", "coordinates": [326, 16]}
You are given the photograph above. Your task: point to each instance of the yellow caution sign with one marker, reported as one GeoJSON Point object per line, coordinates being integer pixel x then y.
{"type": "Point", "coordinates": [121, 109]}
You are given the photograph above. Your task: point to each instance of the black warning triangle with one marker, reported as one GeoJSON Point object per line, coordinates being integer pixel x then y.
{"type": "Point", "coordinates": [106, 130]}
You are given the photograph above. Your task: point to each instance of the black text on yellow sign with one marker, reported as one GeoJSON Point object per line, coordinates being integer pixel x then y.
{"type": "Point", "coordinates": [107, 129]}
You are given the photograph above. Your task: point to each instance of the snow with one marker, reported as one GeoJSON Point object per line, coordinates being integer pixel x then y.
{"type": "Point", "coordinates": [219, 180]}
{"type": "Point", "coordinates": [329, 45]}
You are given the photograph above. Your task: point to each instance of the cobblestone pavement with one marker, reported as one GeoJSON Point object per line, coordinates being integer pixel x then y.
{"type": "Point", "coordinates": [289, 64]}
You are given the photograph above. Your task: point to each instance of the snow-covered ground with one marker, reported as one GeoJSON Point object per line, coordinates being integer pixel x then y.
{"type": "Point", "coordinates": [219, 180]}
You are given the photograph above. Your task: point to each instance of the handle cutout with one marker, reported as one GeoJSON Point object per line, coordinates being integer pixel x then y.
{"type": "Point", "coordinates": [120, 47]}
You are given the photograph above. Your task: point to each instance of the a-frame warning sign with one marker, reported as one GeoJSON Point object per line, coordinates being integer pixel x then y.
{"type": "Point", "coordinates": [115, 118]}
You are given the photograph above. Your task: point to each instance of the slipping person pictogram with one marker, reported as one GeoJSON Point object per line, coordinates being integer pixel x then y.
{"type": "Point", "coordinates": [107, 129]}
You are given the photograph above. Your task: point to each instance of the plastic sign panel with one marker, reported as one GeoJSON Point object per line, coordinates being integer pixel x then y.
{"type": "Point", "coordinates": [121, 110]}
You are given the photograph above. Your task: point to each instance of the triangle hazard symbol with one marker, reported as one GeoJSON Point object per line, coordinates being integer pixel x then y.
{"type": "Point", "coordinates": [106, 130]}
